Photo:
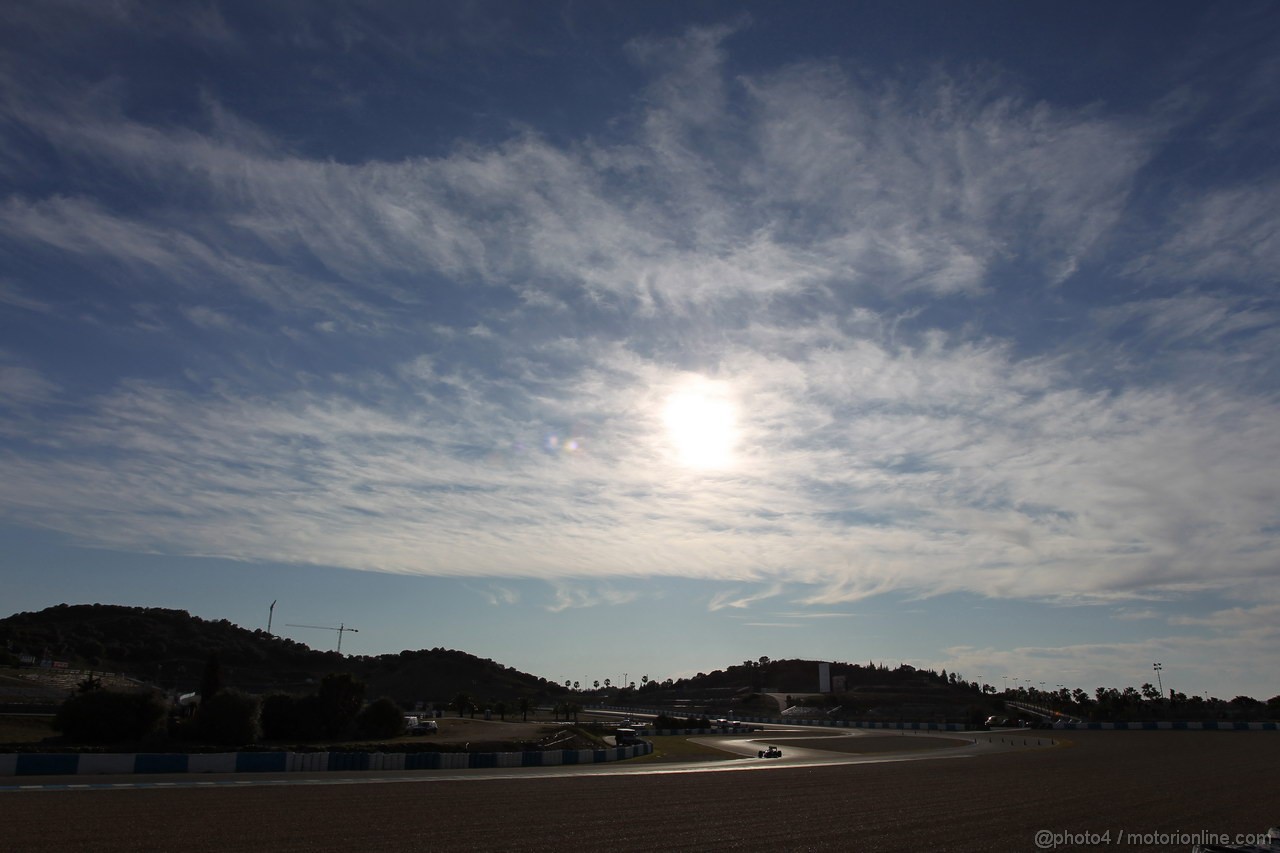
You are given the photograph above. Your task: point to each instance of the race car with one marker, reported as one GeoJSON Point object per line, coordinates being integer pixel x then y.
{"type": "Point", "coordinates": [771, 752]}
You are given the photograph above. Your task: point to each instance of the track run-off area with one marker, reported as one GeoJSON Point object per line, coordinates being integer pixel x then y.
{"type": "Point", "coordinates": [829, 791]}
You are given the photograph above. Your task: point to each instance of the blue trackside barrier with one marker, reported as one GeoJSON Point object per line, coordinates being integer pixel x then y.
{"type": "Point", "coordinates": [422, 761]}
{"type": "Point", "coordinates": [100, 763]}
{"type": "Point", "coordinates": [65, 764]}
{"type": "Point", "coordinates": [262, 762]}
{"type": "Point", "coordinates": [46, 765]}
{"type": "Point", "coordinates": [348, 761]}
{"type": "Point", "coordinates": [151, 762]}
{"type": "Point", "coordinates": [70, 764]}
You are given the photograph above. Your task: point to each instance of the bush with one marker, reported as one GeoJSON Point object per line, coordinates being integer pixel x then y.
{"type": "Point", "coordinates": [229, 717]}
{"type": "Point", "coordinates": [278, 716]}
{"type": "Point", "coordinates": [339, 700]}
{"type": "Point", "coordinates": [286, 717]}
{"type": "Point", "coordinates": [382, 718]}
{"type": "Point", "coordinates": [109, 716]}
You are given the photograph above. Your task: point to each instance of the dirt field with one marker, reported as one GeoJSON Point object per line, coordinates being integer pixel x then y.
{"type": "Point", "coordinates": [17, 728]}
{"type": "Point", "coordinates": [464, 729]}
{"type": "Point", "coordinates": [1117, 782]}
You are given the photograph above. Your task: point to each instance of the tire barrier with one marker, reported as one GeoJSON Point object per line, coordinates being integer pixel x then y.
{"type": "Point", "coordinates": [86, 764]}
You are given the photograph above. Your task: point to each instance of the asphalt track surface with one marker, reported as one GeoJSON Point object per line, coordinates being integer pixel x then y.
{"type": "Point", "coordinates": [817, 797]}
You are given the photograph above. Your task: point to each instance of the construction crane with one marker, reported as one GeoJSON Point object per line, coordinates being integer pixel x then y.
{"type": "Point", "coordinates": [340, 629]}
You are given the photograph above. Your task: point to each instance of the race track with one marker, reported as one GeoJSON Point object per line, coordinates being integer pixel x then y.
{"type": "Point", "coordinates": [989, 799]}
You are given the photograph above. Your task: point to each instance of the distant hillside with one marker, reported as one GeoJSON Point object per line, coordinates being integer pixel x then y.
{"type": "Point", "coordinates": [859, 691]}
{"type": "Point", "coordinates": [801, 676]}
{"type": "Point", "coordinates": [169, 648]}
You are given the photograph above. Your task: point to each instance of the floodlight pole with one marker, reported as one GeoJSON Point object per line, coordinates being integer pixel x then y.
{"type": "Point", "coordinates": [271, 611]}
{"type": "Point", "coordinates": [1157, 667]}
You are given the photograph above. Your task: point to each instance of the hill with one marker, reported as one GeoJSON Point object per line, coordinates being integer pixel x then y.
{"type": "Point", "coordinates": [169, 648]}
{"type": "Point", "coordinates": [858, 691]}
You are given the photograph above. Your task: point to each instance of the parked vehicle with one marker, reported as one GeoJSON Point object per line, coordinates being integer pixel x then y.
{"type": "Point", "coordinates": [425, 727]}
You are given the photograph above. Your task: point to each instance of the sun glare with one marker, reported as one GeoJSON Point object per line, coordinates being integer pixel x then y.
{"type": "Point", "coordinates": [702, 424]}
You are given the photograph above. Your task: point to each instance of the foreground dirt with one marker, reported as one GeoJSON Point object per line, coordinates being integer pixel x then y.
{"type": "Point", "coordinates": [1122, 782]}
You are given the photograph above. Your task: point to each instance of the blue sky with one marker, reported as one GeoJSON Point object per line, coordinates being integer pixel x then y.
{"type": "Point", "coordinates": [621, 339]}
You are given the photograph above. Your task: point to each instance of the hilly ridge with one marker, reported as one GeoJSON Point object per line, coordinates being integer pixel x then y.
{"type": "Point", "coordinates": [169, 648]}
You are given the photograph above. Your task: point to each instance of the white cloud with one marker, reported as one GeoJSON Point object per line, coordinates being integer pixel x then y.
{"type": "Point", "coordinates": [1135, 614]}
{"type": "Point", "coordinates": [497, 595]}
{"type": "Point", "coordinates": [992, 480]}
{"type": "Point", "coordinates": [740, 600]}
{"type": "Point", "coordinates": [929, 188]}
{"type": "Point", "coordinates": [22, 386]}
{"type": "Point", "coordinates": [1260, 620]}
{"type": "Point", "coordinates": [1192, 317]}
{"type": "Point", "coordinates": [567, 597]}
{"type": "Point", "coordinates": [13, 295]}
{"type": "Point", "coordinates": [743, 228]}
{"type": "Point", "coordinates": [819, 181]}
{"type": "Point", "coordinates": [1222, 234]}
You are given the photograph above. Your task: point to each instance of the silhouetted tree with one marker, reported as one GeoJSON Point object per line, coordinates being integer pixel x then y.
{"type": "Point", "coordinates": [381, 718]}
{"type": "Point", "coordinates": [228, 717]}
{"type": "Point", "coordinates": [89, 684]}
{"type": "Point", "coordinates": [211, 678]}
{"type": "Point", "coordinates": [108, 716]}
{"type": "Point", "coordinates": [340, 699]}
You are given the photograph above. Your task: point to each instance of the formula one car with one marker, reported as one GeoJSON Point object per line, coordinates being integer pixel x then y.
{"type": "Point", "coordinates": [771, 752]}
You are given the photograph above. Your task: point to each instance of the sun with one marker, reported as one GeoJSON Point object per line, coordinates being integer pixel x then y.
{"type": "Point", "coordinates": [701, 423]}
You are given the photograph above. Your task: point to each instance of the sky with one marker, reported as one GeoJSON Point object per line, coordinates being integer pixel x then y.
{"type": "Point", "coordinates": [613, 339]}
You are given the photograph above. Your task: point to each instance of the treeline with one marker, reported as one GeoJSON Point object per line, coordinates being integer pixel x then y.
{"type": "Point", "coordinates": [1111, 704]}
{"type": "Point", "coordinates": [801, 676]}
{"type": "Point", "coordinates": [229, 717]}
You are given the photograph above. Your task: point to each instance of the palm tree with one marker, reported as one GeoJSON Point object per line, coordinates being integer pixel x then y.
{"type": "Point", "coordinates": [462, 702]}
{"type": "Point", "coordinates": [524, 705]}
{"type": "Point", "coordinates": [597, 684]}
{"type": "Point", "coordinates": [501, 708]}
